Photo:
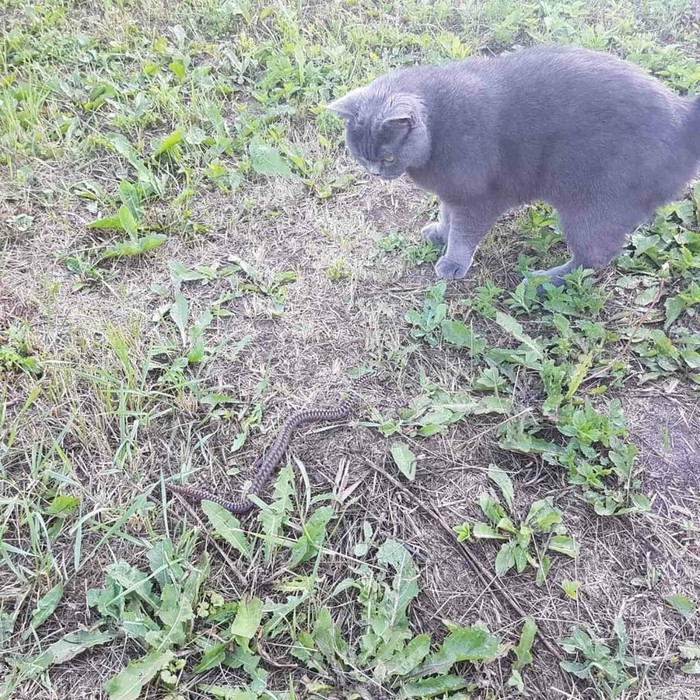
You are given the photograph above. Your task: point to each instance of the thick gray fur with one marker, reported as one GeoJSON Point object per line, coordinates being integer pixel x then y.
{"type": "Point", "coordinates": [591, 134]}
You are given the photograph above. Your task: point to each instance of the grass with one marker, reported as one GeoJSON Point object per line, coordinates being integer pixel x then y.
{"type": "Point", "coordinates": [188, 254]}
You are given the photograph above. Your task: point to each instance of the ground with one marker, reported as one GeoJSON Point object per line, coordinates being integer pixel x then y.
{"type": "Point", "coordinates": [189, 255]}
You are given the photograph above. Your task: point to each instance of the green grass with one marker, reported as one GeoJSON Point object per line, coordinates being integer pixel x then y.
{"type": "Point", "coordinates": [188, 254]}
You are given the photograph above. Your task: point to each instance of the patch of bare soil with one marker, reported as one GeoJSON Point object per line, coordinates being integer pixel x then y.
{"type": "Point", "coordinates": [666, 429]}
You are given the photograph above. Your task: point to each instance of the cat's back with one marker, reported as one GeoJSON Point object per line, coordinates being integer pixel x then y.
{"type": "Point", "coordinates": [569, 81]}
{"type": "Point", "coordinates": [554, 88]}
{"type": "Point", "coordinates": [565, 68]}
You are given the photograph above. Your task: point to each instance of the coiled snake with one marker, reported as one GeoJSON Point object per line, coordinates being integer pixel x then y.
{"type": "Point", "coordinates": [266, 465]}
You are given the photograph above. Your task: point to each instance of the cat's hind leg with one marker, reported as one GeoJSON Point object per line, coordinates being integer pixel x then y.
{"type": "Point", "coordinates": [556, 274]}
{"type": "Point", "coordinates": [595, 239]}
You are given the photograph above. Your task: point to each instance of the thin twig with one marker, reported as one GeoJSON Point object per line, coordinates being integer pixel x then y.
{"type": "Point", "coordinates": [479, 569]}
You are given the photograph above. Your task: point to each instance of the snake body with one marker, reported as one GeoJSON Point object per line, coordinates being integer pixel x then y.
{"type": "Point", "coordinates": [266, 465]}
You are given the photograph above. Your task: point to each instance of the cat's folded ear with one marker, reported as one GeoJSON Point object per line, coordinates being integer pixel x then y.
{"type": "Point", "coordinates": [402, 112]}
{"type": "Point", "coordinates": [349, 106]}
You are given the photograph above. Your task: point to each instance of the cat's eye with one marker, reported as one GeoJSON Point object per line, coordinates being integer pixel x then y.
{"type": "Point", "coordinates": [387, 159]}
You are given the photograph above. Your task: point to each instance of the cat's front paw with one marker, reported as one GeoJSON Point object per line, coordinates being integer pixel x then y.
{"type": "Point", "coordinates": [450, 270]}
{"type": "Point", "coordinates": [432, 234]}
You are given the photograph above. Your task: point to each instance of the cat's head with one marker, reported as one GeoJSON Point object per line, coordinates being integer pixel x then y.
{"type": "Point", "coordinates": [385, 132]}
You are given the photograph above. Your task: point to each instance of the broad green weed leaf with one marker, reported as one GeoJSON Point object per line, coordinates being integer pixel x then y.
{"type": "Point", "coordinates": [490, 380]}
{"type": "Point", "coordinates": [392, 609]}
{"type": "Point", "coordinates": [246, 267]}
{"type": "Point", "coordinates": [196, 578]}
{"type": "Point", "coordinates": [314, 534]}
{"type": "Point", "coordinates": [201, 324]}
{"type": "Point", "coordinates": [462, 644]}
{"type": "Point", "coordinates": [505, 559]}
{"type": "Point", "coordinates": [682, 605]}
{"type": "Point", "coordinates": [387, 616]}
{"type": "Point", "coordinates": [516, 680]}
{"type": "Point", "coordinates": [125, 149]}
{"type": "Point", "coordinates": [129, 684]}
{"type": "Point", "coordinates": [179, 274]}
{"type": "Point", "coordinates": [130, 196]}
{"type": "Point", "coordinates": [135, 246]}
{"type": "Point", "coordinates": [213, 657]}
{"type": "Point", "coordinates": [127, 220]}
{"type": "Point", "coordinates": [523, 649]}
{"type": "Point", "coordinates": [571, 588]}
{"type": "Point", "coordinates": [581, 641]}
{"type": "Point", "coordinates": [248, 617]}
{"type": "Point", "coordinates": [502, 480]}
{"type": "Point", "coordinates": [272, 517]}
{"type": "Point", "coordinates": [122, 146]}
{"type": "Point", "coordinates": [280, 611]}
{"type": "Point", "coordinates": [109, 222]}
{"type": "Point", "coordinates": [109, 600]}
{"type": "Point", "coordinates": [647, 296]}
{"type": "Point", "coordinates": [179, 69]}
{"type": "Point", "coordinates": [456, 333]}
{"type": "Point", "coordinates": [163, 563]}
{"type": "Point", "coordinates": [327, 637]}
{"type": "Point", "coordinates": [520, 554]}
{"type": "Point", "coordinates": [553, 377]}
{"type": "Point", "coordinates": [579, 670]}
{"type": "Point", "coordinates": [578, 375]}
{"type": "Point", "coordinates": [507, 525]}
{"type": "Point", "coordinates": [267, 160]}
{"type": "Point", "coordinates": [404, 661]}
{"type": "Point", "coordinates": [522, 654]}
{"type": "Point", "coordinates": [227, 526]}
{"type": "Point", "coordinates": [543, 570]}
{"type": "Point", "coordinates": [46, 606]}
{"type": "Point", "coordinates": [169, 142]}
{"type": "Point", "coordinates": [483, 531]}
{"type": "Point", "coordinates": [510, 325]}
{"type": "Point", "coordinates": [133, 581]}
{"type": "Point", "coordinates": [515, 439]}
{"type": "Point", "coordinates": [674, 308]}
{"type": "Point", "coordinates": [180, 313]}
{"type": "Point", "coordinates": [690, 650]}
{"type": "Point", "coordinates": [63, 505]}
{"type": "Point", "coordinates": [623, 639]}
{"type": "Point", "coordinates": [491, 508]}
{"type": "Point", "coordinates": [405, 459]}
{"type": "Point", "coordinates": [563, 544]}
{"type": "Point", "coordinates": [175, 612]}
{"type": "Point", "coordinates": [542, 515]}
{"type": "Point", "coordinates": [137, 625]}
{"type": "Point", "coordinates": [324, 634]}
{"type": "Point", "coordinates": [65, 649]}
{"type": "Point", "coordinates": [432, 687]}
{"type": "Point", "coordinates": [464, 532]}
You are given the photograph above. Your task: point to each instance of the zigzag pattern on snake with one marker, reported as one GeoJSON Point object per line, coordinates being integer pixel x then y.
{"type": "Point", "coordinates": [266, 465]}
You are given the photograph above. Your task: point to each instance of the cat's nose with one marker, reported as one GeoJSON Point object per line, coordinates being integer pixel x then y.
{"type": "Point", "coordinates": [374, 168]}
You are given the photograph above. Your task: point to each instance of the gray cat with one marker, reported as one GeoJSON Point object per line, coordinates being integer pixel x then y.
{"type": "Point", "coordinates": [589, 133]}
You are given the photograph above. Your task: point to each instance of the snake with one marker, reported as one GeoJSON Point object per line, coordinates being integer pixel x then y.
{"type": "Point", "coordinates": [266, 465]}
